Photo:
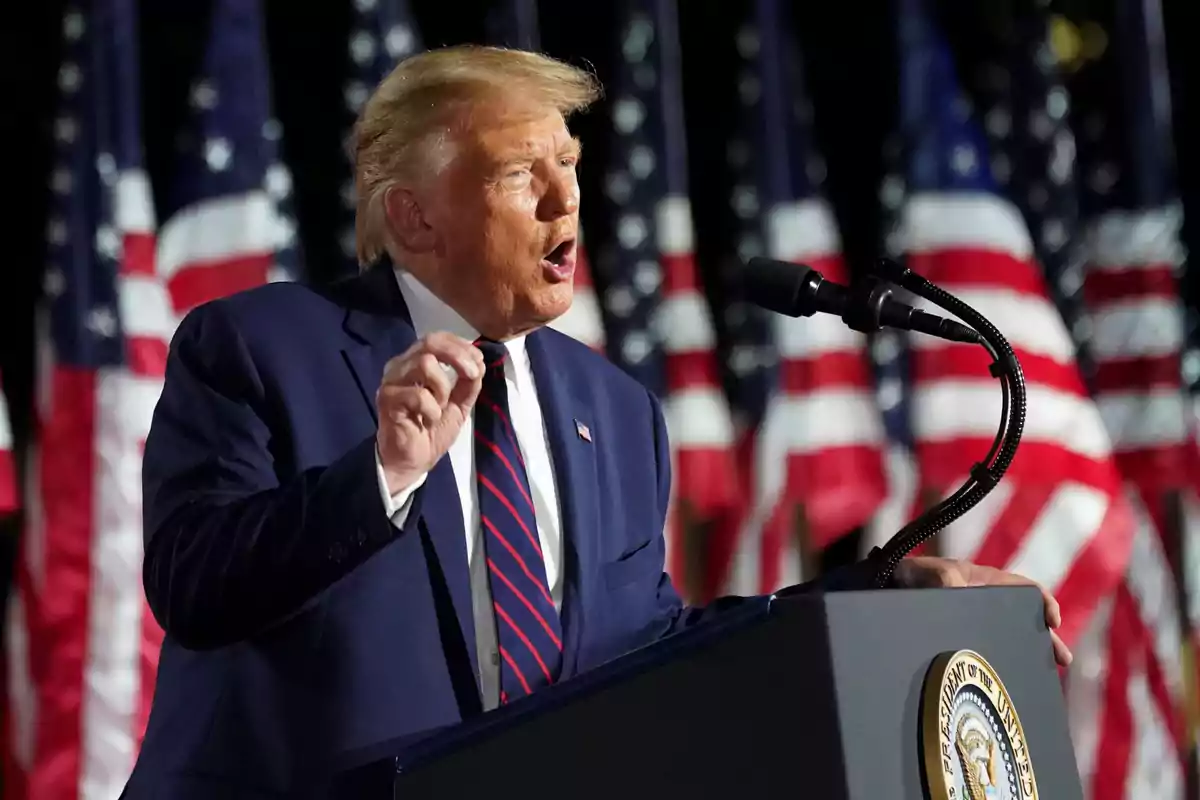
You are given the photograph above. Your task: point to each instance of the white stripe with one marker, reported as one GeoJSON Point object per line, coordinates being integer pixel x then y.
{"type": "Point", "coordinates": [124, 405]}
{"type": "Point", "coordinates": [134, 207]}
{"type": "Point", "coordinates": [1153, 765]}
{"type": "Point", "coordinates": [1031, 324]}
{"type": "Point", "coordinates": [932, 221]}
{"type": "Point", "coordinates": [1152, 584]}
{"type": "Point", "coordinates": [673, 216]}
{"type": "Point", "coordinates": [809, 337]}
{"type": "Point", "coordinates": [683, 324]}
{"type": "Point", "coordinates": [1085, 689]}
{"type": "Point", "coordinates": [946, 410]}
{"type": "Point", "coordinates": [1191, 556]}
{"type": "Point", "coordinates": [1137, 420]}
{"type": "Point", "coordinates": [1124, 240]}
{"type": "Point", "coordinates": [825, 418]}
{"type": "Point", "coordinates": [582, 320]}
{"type": "Point", "coordinates": [6, 442]}
{"type": "Point", "coordinates": [962, 538]}
{"type": "Point", "coordinates": [903, 489]}
{"type": "Point", "coordinates": [22, 700]}
{"type": "Point", "coordinates": [1139, 327]}
{"type": "Point", "coordinates": [802, 231]}
{"type": "Point", "coordinates": [698, 418]}
{"type": "Point", "coordinates": [1064, 528]}
{"type": "Point", "coordinates": [218, 229]}
{"type": "Point", "coordinates": [145, 308]}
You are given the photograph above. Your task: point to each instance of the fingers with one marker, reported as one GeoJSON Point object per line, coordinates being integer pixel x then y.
{"type": "Point", "coordinates": [1062, 653]}
{"type": "Point", "coordinates": [404, 404]}
{"type": "Point", "coordinates": [438, 362]}
{"type": "Point", "coordinates": [996, 577]}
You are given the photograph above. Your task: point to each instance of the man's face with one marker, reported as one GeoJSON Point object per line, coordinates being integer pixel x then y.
{"type": "Point", "coordinates": [504, 215]}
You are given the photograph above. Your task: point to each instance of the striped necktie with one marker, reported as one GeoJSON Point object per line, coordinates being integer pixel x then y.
{"type": "Point", "coordinates": [527, 624]}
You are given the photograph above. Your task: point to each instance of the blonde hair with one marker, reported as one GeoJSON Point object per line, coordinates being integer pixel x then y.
{"type": "Point", "coordinates": [408, 118]}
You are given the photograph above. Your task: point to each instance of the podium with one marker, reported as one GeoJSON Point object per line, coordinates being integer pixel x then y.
{"type": "Point", "coordinates": [825, 696]}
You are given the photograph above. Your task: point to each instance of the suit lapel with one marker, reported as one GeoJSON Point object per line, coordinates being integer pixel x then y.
{"type": "Point", "coordinates": [565, 408]}
{"type": "Point", "coordinates": [379, 323]}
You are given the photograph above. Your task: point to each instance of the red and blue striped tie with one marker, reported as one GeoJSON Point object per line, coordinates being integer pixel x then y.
{"type": "Point", "coordinates": [527, 624]}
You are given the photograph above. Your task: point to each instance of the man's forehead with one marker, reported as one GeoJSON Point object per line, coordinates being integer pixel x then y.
{"type": "Point", "coordinates": [517, 131]}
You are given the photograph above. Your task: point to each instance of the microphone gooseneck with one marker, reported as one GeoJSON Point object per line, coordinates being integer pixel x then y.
{"type": "Point", "coordinates": [984, 474]}
{"type": "Point", "coordinates": [799, 291]}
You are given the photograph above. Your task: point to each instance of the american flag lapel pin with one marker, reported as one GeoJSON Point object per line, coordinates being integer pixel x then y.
{"type": "Point", "coordinates": [584, 431]}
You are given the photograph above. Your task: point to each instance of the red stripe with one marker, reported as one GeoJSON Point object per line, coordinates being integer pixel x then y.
{"type": "Point", "coordinates": [508, 465]}
{"type": "Point", "coordinates": [840, 488]}
{"type": "Point", "coordinates": [520, 596]}
{"type": "Point", "coordinates": [679, 273]}
{"type": "Point", "coordinates": [1011, 526]}
{"type": "Point", "coordinates": [969, 363]}
{"type": "Point", "coordinates": [541, 584]}
{"type": "Point", "coordinates": [1115, 746]}
{"type": "Point", "coordinates": [199, 282]}
{"type": "Point", "coordinates": [943, 463]}
{"type": "Point", "coordinates": [956, 269]}
{"type": "Point", "coordinates": [512, 510]}
{"type": "Point", "coordinates": [67, 489]}
{"type": "Point", "coordinates": [137, 255]}
{"type": "Point", "coordinates": [508, 428]}
{"type": "Point", "coordinates": [691, 369]}
{"type": "Point", "coordinates": [521, 635]}
{"type": "Point", "coordinates": [147, 356]}
{"type": "Point", "coordinates": [516, 670]}
{"type": "Point", "coordinates": [847, 368]}
{"type": "Point", "coordinates": [1104, 286]}
{"type": "Point", "coordinates": [706, 477]}
{"type": "Point", "coordinates": [1138, 373]}
{"type": "Point", "coordinates": [9, 495]}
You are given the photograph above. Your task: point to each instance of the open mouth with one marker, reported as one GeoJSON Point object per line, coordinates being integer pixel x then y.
{"type": "Point", "coordinates": [561, 254]}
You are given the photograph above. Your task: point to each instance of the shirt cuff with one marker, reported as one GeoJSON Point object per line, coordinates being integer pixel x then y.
{"type": "Point", "coordinates": [396, 506]}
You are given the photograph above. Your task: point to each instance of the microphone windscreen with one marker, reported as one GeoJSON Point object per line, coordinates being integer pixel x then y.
{"type": "Point", "coordinates": [776, 285]}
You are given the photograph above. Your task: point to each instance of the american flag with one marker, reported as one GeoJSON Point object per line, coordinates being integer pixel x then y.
{"type": "Point", "coordinates": [82, 652]}
{"type": "Point", "coordinates": [514, 23]}
{"type": "Point", "coordinates": [9, 496]}
{"type": "Point", "coordinates": [818, 449]}
{"type": "Point", "coordinates": [1059, 516]}
{"type": "Point", "coordinates": [1129, 695]}
{"type": "Point", "coordinates": [660, 327]}
{"type": "Point", "coordinates": [228, 225]}
{"type": "Point", "coordinates": [83, 647]}
{"type": "Point", "coordinates": [382, 34]}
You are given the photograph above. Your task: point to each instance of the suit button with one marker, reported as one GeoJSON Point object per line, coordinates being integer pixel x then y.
{"type": "Point", "coordinates": [360, 535]}
{"type": "Point", "coordinates": [337, 552]}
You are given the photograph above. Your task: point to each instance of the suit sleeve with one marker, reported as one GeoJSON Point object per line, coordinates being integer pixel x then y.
{"type": "Point", "coordinates": [230, 548]}
{"type": "Point", "coordinates": [673, 613]}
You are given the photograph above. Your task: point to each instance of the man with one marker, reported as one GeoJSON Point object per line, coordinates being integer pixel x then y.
{"type": "Point", "coordinates": [385, 507]}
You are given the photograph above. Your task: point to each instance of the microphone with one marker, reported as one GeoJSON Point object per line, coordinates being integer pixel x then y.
{"type": "Point", "coordinates": [799, 291]}
{"type": "Point", "coordinates": [796, 290]}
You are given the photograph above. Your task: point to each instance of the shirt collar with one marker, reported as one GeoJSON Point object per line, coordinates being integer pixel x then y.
{"type": "Point", "coordinates": [430, 314]}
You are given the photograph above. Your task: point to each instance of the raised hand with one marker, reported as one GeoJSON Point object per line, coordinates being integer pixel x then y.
{"type": "Point", "coordinates": [425, 396]}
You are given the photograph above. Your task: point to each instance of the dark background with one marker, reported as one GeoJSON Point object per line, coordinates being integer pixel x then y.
{"type": "Point", "coordinates": [848, 46]}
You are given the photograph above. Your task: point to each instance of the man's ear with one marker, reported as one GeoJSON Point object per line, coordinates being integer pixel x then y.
{"type": "Point", "coordinates": [407, 221]}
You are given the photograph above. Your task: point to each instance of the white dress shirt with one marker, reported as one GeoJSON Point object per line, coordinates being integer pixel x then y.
{"type": "Point", "coordinates": [429, 315]}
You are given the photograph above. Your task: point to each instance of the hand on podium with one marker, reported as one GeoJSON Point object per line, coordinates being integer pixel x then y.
{"type": "Point", "coordinates": [928, 572]}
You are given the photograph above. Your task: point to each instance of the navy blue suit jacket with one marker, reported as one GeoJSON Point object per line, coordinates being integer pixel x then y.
{"type": "Point", "coordinates": [300, 623]}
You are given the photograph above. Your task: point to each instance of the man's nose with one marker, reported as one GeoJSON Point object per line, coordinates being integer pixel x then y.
{"type": "Point", "coordinates": [561, 198]}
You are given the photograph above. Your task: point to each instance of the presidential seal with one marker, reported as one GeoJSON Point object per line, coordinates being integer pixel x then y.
{"type": "Point", "coordinates": [971, 736]}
